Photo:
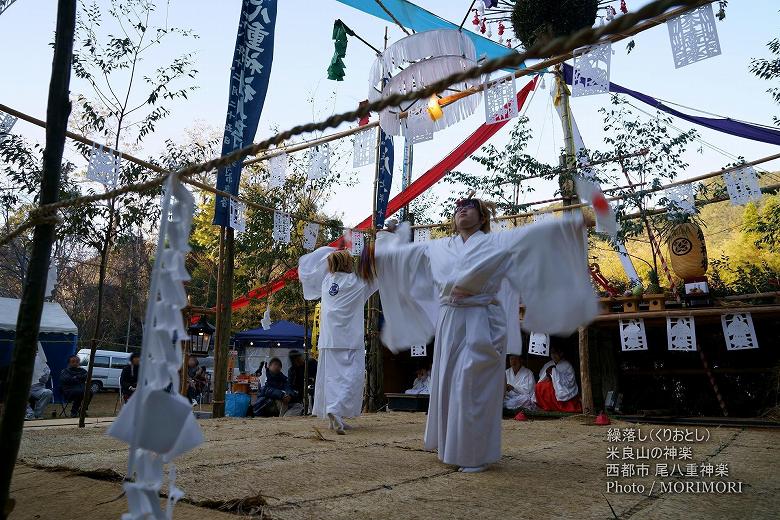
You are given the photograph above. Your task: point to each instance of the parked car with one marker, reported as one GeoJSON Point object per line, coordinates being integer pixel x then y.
{"type": "Point", "coordinates": [107, 369]}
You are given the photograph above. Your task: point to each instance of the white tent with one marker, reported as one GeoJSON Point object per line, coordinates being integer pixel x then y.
{"type": "Point", "coordinates": [54, 318]}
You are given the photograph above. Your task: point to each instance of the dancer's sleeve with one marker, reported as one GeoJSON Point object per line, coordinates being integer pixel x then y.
{"type": "Point", "coordinates": [407, 292]}
{"type": "Point", "coordinates": [564, 382]}
{"type": "Point", "coordinates": [312, 269]}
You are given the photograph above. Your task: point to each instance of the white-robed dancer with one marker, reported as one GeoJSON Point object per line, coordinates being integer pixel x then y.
{"type": "Point", "coordinates": [328, 274]}
{"type": "Point", "coordinates": [465, 289]}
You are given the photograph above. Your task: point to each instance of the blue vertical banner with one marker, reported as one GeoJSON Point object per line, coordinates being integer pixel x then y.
{"type": "Point", "coordinates": [385, 178]}
{"type": "Point", "coordinates": [249, 77]}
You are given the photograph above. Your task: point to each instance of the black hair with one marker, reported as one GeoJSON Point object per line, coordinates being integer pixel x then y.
{"type": "Point", "coordinates": [134, 355]}
{"type": "Point", "coordinates": [73, 356]}
{"type": "Point", "coordinates": [274, 360]}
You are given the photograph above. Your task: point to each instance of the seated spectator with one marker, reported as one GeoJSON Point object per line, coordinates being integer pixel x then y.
{"type": "Point", "coordinates": [520, 382]}
{"type": "Point", "coordinates": [129, 377]}
{"type": "Point", "coordinates": [39, 394]}
{"type": "Point", "coordinates": [557, 389]}
{"type": "Point", "coordinates": [422, 384]}
{"type": "Point", "coordinates": [72, 380]}
{"type": "Point", "coordinates": [298, 384]}
{"type": "Point", "coordinates": [196, 376]}
{"type": "Point", "coordinates": [275, 395]}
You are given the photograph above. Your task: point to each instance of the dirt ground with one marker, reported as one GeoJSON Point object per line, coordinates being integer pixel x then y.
{"type": "Point", "coordinates": [280, 469]}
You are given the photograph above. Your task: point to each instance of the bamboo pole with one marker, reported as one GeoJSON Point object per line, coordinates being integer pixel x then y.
{"type": "Point", "coordinates": [220, 359]}
{"type": "Point", "coordinates": [31, 305]}
{"type": "Point", "coordinates": [677, 313]}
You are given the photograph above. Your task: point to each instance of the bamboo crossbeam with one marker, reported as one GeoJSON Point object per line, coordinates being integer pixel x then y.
{"type": "Point", "coordinates": [673, 313]}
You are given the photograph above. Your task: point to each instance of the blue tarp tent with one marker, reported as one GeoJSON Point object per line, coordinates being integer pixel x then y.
{"type": "Point", "coordinates": [258, 345]}
{"type": "Point", "coordinates": [58, 336]}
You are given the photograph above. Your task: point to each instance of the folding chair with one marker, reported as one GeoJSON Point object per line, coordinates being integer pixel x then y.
{"type": "Point", "coordinates": [64, 408]}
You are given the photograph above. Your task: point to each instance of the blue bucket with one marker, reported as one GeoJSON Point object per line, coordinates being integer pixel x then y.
{"type": "Point", "coordinates": [236, 405]}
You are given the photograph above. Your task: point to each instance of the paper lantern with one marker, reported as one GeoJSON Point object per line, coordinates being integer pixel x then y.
{"type": "Point", "coordinates": [687, 251]}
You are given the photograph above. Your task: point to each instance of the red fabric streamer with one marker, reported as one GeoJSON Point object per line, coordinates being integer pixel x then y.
{"type": "Point", "coordinates": [414, 190]}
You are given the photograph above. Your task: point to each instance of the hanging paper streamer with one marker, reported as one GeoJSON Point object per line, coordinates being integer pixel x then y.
{"type": "Point", "coordinates": [419, 351]}
{"type": "Point", "coordinates": [282, 227]}
{"type": "Point", "coordinates": [422, 234]}
{"type": "Point", "coordinates": [742, 186]}
{"type": "Point", "coordinates": [336, 67]}
{"type": "Point", "coordinates": [104, 166]}
{"type": "Point", "coordinates": [539, 344]}
{"type": "Point", "coordinates": [591, 70]}
{"type": "Point", "coordinates": [158, 423]}
{"type": "Point", "coordinates": [681, 334]}
{"type": "Point", "coordinates": [266, 321]}
{"type": "Point", "coordinates": [632, 335]}
{"type": "Point", "coordinates": [319, 167]}
{"type": "Point", "coordinates": [694, 36]}
{"type": "Point", "coordinates": [310, 233]}
{"type": "Point", "coordinates": [499, 225]}
{"type": "Point", "coordinates": [357, 243]}
{"type": "Point", "coordinates": [278, 167]}
{"type": "Point", "coordinates": [500, 100]}
{"type": "Point", "coordinates": [237, 215]}
{"type": "Point", "coordinates": [7, 122]}
{"type": "Point", "coordinates": [682, 199]}
{"type": "Point", "coordinates": [418, 126]}
{"type": "Point", "coordinates": [364, 148]}
{"type": "Point", "coordinates": [51, 279]}
{"type": "Point", "coordinates": [738, 331]}
{"type": "Point", "coordinates": [385, 177]}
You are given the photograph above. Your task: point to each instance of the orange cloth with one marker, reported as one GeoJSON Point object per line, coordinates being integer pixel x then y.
{"type": "Point", "coordinates": [545, 399]}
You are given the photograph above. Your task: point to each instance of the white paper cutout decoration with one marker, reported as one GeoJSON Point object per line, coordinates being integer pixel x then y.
{"type": "Point", "coordinates": [694, 36]}
{"type": "Point", "coordinates": [500, 100]}
{"type": "Point", "coordinates": [278, 167]}
{"type": "Point", "coordinates": [266, 321]}
{"type": "Point", "coordinates": [237, 215]}
{"type": "Point", "coordinates": [742, 186]}
{"type": "Point", "coordinates": [282, 227]}
{"type": "Point", "coordinates": [543, 217]}
{"type": "Point", "coordinates": [364, 148]}
{"type": "Point", "coordinates": [104, 166]}
{"type": "Point", "coordinates": [499, 225]}
{"type": "Point", "coordinates": [682, 199]}
{"type": "Point", "coordinates": [310, 232]}
{"type": "Point", "coordinates": [632, 335]}
{"type": "Point", "coordinates": [418, 126]}
{"type": "Point", "coordinates": [738, 331]}
{"type": "Point", "coordinates": [319, 167]}
{"type": "Point", "coordinates": [51, 279]}
{"type": "Point", "coordinates": [159, 425]}
{"type": "Point", "coordinates": [358, 238]}
{"type": "Point", "coordinates": [419, 350]}
{"type": "Point", "coordinates": [7, 122]}
{"type": "Point", "coordinates": [422, 234]}
{"type": "Point", "coordinates": [681, 334]}
{"type": "Point", "coordinates": [591, 70]}
{"type": "Point", "coordinates": [539, 344]}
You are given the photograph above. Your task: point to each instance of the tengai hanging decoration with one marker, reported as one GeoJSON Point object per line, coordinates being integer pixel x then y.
{"type": "Point", "coordinates": [419, 60]}
{"type": "Point", "coordinates": [693, 36]}
{"type": "Point", "coordinates": [422, 234]}
{"type": "Point", "coordinates": [278, 167]}
{"type": "Point", "coordinates": [319, 167]}
{"type": "Point", "coordinates": [681, 334]}
{"type": "Point", "coordinates": [358, 238]}
{"type": "Point", "coordinates": [738, 331]}
{"type": "Point", "coordinates": [157, 422]}
{"type": "Point", "coordinates": [364, 148]}
{"type": "Point", "coordinates": [336, 67]}
{"type": "Point", "coordinates": [632, 335]}
{"type": "Point", "coordinates": [500, 100]}
{"type": "Point", "coordinates": [742, 186]}
{"type": "Point", "coordinates": [539, 344]}
{"type": "Point", "coordinates": [682, 199]}
{"type": "Point", "coordinates": [237, 215]}
{"type": "Point", "coordinates": [104, 166]}
{"type": "Point", "coordinates": [7, 122]}
{"type": "Point", "coordinates": [310, 232]}
{"type": "Point", "coordinates": [591, 70]}
{"type": "Point", "coordinates": [282, 227]}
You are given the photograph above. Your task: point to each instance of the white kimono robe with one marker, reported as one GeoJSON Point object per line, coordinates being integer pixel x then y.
{"type": "Point", "coordinates": [523, 386]}
{"type": "Point", "coordinates": [544, 263]}
{"type": "Point", "coordinates": [563, 379]}
{"type": "Point", "coordinates": [341, 370]}
{"type": "Point", "coordinates": [421, 385]}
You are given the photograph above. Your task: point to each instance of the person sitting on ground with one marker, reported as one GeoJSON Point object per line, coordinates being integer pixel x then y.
{"type": "Point", "coordinates": [520, 382]}
{"type": "Point", "coordinates": [422, 383]}
{"type": "Point", "coordinates": [557, 389]}
{"type": "Point", "coordinates": [129, 377]}
{"type": "Point", "coordinates": [275, 395]}
{"type": "Point", "coordinates": [197, 380]}
{"type": "Point", "coordinates": [72, 380]}
{"type": "Point", "coordinates": [39, 394]}
{"type": "Point", "coordinates": [299, 384]}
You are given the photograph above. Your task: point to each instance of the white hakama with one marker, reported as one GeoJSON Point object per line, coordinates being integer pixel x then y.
{"type": "Point", "coordinates": [544, 263]}
{"type": "Point", "coordinates": [341, 371]}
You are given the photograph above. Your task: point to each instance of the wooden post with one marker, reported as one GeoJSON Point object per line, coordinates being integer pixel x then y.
{"type": "Point", "coordinates": [305, 357]}
{"type": "Point", "coordinates": [220, 357]}
{"type": "Point", "coordinates": [31, 306]}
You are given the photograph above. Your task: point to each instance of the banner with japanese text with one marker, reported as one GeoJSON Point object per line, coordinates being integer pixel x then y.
{"type": "Point", "coordinates": [385, 178]}
{"type": "Point", "coordinates": [249, 77]}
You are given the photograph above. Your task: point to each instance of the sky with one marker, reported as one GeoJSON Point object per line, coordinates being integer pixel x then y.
{"type": "Point", "coordinates": [303, 48]}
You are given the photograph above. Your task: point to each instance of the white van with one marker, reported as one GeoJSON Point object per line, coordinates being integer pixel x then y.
{"type": "Point", "coordinates": [108, 367]}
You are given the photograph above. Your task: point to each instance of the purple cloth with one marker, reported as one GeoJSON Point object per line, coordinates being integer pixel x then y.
{"type": "Point", "coordinates": [727, 126]}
